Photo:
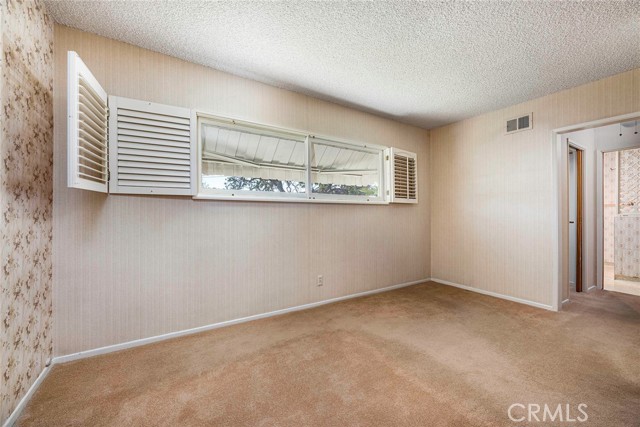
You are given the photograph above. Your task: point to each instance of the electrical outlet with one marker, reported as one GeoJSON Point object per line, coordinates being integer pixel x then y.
{"type": "Point", "coordinates": [320, 281]}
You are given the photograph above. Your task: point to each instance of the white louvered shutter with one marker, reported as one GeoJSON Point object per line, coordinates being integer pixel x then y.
{"type": "Point", "coordinates": [403, 176]}
{"type": "Point", "coordinates": [150, 148]}
{"type": "Point", "coordinates": [87, 112]}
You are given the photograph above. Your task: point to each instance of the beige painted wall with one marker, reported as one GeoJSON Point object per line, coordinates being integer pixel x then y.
{"type": "Point", "coordinates": [492, 195]}
{"type": "Point", "coordinates": [128, 267]}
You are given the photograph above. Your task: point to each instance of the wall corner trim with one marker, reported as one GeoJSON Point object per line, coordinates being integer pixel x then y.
{"type": "Point", "coordinates": [494, 294]}
{"type": "Point", "coordinates": [162, 337]}
{"type": "Point", "coordinates": [9, 422]}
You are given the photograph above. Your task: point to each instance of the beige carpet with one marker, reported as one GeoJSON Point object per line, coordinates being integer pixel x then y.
{"type": "Point", "coordinates": [427, 355]}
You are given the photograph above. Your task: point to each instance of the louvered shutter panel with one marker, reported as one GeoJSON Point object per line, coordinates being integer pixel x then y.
{"type": "Point", "coordinates": [87, 118]}
{"type": "Point", "coordinates": [151, 149]}
{"type": "Point", "coordinates": [403, 176]}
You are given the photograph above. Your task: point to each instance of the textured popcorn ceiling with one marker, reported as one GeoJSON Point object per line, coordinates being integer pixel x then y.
{"type": "Point", "coordinates": [425, 63]}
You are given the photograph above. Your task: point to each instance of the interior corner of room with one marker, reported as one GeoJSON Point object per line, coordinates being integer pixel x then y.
{"type": "Point", "coordinates": [277, 213]}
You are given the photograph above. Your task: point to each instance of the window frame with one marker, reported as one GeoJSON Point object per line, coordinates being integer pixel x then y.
{"type": "Point", "coordinates": [308, 196]}
{"type": "Point", "coordinates": [333, 142]}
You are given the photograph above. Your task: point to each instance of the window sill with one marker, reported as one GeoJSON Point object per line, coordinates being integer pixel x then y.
{"type": "Point", "coordinates": [225, 197]}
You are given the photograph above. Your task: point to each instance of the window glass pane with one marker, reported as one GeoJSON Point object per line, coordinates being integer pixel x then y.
{"type": "Point", "coordinates": [344, 170]}
{"type": "Point", "coordinates": [237, 158]}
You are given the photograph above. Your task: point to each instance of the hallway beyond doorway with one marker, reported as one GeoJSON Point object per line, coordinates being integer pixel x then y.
{"type": "Point", "coordinates": [617, 285]}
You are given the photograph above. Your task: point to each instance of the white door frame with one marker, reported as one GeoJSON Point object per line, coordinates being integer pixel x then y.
{"type": "Point", "coordinates": [559, 229]}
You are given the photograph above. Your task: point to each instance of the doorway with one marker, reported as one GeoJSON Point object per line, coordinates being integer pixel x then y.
{"type": "Point", "coordinates": [576, 178]}
{"type": "Point", "coordinates": [589, 141]}
{"type": "Point", "coordinates": [621, 211]}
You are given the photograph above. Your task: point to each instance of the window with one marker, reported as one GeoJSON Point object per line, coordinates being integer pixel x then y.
{"type": "Point", "coordinates": [344, 170]}
{"type": "Point", "coordinates": [129, 146]}
{"type": "Point", "coordinates": [242, 159]}
{"type": "Point", "coordinates": [248, 160]}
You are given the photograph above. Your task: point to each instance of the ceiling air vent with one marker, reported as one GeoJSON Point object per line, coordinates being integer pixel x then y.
{"type": "Point", "coordinates": [520, 123]}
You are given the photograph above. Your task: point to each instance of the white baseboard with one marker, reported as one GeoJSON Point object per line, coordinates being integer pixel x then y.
{"type": "Point", "coordinates": [143, 341]}
{"type": "Point", "coordinates": [135, 343]}
{"type": "Point", "coordinates": [591, 288]}
{"type": "Point", "coordinates": [27, 396]}
{"type": "Point", "coordinates": [494, 294]}
{"type": "Point", "coordinates": [129, 344]}
{"type": "Point", "coordinates": [565, 302]}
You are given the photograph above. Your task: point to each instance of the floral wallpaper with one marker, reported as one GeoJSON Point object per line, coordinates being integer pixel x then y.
{"type": "Point", "coordinates": [627, 251]}
{"type": "Point", "coordinates": [610, 186]}
{"type": "Point", "coordinates": [627, 228]}
{"type": "Point", "coordinates": [26, 191]}
{"type": "Point", "coordinates": [630, 181]}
